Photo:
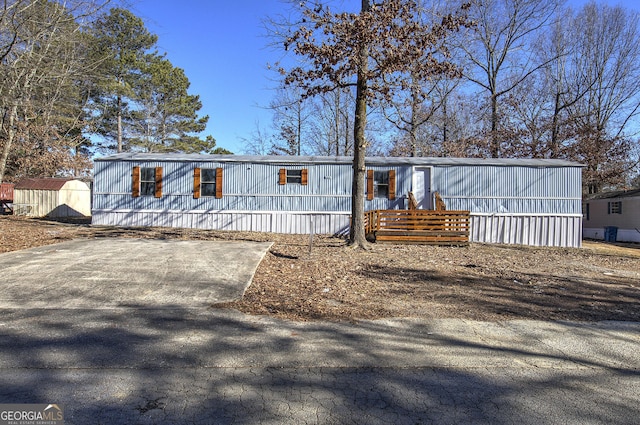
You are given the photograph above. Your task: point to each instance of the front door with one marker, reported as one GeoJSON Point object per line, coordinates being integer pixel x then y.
{"type": "Point", "coordinates": [422, 187]}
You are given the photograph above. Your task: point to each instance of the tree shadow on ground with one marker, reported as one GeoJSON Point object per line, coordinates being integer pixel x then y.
{"type": "Point", "coordinates": [521, 296]}
{"type": "Point", "coordinates": [192, 366]}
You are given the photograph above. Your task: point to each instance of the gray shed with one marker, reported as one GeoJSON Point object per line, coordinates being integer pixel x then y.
{"type": "Point", "coordinates": [517, 201]}
{"type": "Point", "coordinates": [52, 197]}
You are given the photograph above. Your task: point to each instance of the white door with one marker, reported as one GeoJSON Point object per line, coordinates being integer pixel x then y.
{"type": "Point", "coordinates": [422, 187]}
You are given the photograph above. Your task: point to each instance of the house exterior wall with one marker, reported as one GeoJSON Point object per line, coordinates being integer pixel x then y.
{"type": "Point", "coordinates": [512, 190]}
{"type": "Point", "coordinates": [599, 217]}
{"type": "Point", "coordinates": [246, 187]}
{"type": "Point", "coordinates": [516, 204]}
{"type": "Point", "coordinates": [252, 200]}
{"type": "Point", "coordinates": [534, 199]}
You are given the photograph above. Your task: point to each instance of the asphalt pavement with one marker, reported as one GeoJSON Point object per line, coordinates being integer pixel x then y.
{"type": "Point", "coordinates": [158, 360]}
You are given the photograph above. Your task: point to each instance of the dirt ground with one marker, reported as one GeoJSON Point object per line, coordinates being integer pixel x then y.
{"type": "Point", "coordinates": [320, 278]}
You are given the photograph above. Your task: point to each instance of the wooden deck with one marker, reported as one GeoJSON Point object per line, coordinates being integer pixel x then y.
{"type": "Point", "coordinates": [418, 226]}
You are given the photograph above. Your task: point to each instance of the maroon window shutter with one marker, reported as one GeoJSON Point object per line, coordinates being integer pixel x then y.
{"type": "Point", "coordinates": [392, 184]}
{"type": "Point", "coordinates": [369, 185]}
{"type": "Point", "coordinates": [135, 182]}
{"type": "Point", "coordinates": [218, 183]}
{"type": "Point", "coordinates": [196, 183]}
{"type": "Point", "coordinates": [158, 193]}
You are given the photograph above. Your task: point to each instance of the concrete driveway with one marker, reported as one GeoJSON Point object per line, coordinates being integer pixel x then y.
{"type": "Point", "coordinates": [68, 336]}
{"type": "Point", "coordinates": [142, 273]}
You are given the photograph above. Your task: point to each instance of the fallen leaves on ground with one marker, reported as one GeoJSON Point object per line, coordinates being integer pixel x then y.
{"type": "Point", "coordinates": [320, 278]}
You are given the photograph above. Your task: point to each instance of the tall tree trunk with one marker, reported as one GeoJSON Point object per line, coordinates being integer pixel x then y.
{"type": "Point", "coordinates": [299, 129]}
{"type": "Point", "coordinates": [495, 141]}
{"type": "Point", "coordinates": [554, 149]}
{"type": "Point", "coordinates": [11, 132]}
{"type": "Point", "coordinates": [445, 129]}
{"type": "Point", "coordinates": [119, 118]}
{"type": "Point", "coordinates": [337, 121]}
{"type": "Point", "coordinates": [357, 233]}
{"type": "Point", "coordinates": [413, 126]}
{"type": "Point", "coordinates": [346, 135]}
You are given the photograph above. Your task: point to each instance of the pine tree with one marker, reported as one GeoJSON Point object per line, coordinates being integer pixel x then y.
{"type": "Point", "coordinates": [166, 119]}
{"type": "Point", "coordinates": [121, 43]}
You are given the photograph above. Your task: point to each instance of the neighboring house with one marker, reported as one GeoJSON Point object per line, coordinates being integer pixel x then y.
{"type": "Point", "coordinates": [613, 216]}
{"type": "Point", "coordinates": [529, 201]}
{"type": "Point", "coordinates": [54, 197]}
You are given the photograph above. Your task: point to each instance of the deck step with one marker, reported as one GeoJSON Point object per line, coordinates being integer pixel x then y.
{"type": "Point", "coordinates": [422, 237]}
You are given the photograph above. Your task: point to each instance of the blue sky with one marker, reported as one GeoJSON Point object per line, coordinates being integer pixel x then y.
{"type": "Point", "coordinates": [223, 48]}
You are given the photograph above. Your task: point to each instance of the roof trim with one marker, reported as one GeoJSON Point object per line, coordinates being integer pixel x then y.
{"type": "Point", "coordinates": [41, 184]}
{"type": "Point", "coordinates": [614, 194]}
{"type": "Point", "coordinates": [276, 159]}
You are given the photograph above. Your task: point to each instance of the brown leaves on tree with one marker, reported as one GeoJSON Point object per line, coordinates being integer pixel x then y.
{"type": "Point", "coordinates": [375, 50]}
{"type": "Point", "coordinates": [397, 38]}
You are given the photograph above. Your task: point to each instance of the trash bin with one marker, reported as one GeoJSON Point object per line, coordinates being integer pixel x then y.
{"type": "Point", "coordinates": [610, 234]}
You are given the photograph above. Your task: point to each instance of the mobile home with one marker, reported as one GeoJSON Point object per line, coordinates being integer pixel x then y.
{"type": "Point", "coordinates": [528, 201]}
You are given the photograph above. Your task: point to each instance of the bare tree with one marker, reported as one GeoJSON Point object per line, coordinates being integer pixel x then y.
{"type": "Point", "coordinates": [499, 54]}
{"type": "Point", "coordinates": [608, 59]}
{"type": "Point", "coordinates": [371, 50]}
{"type": "Point", "coordinates": [258, 142]}
{"type": "Point", "coordinates": [583, 104]}
{"type": "Point", "coordinates": [332, 117]}
{"type": "Point", "coordinates": [291, 115]}
{"type": "Point", "coordinates": [417, 109]}
{"type": "Point", "coordinates": [42, 60]}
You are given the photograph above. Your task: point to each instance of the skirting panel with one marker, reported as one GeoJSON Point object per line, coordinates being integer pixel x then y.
{"type": "Point", "coordinates": [622, 235]}
{"type": "Point", "coordinates": [534, 230]}
{"type": "Point", "coordinates": [257, 221]}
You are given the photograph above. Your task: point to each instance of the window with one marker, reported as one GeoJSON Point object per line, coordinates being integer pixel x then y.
{"type": "Point", "coordinates": [294, 176]}
{"type": "Point", "coordinates": [207, 182]}
{"type": "Point", "coordinates": [147, 181]}
{"type": "Point", "coordinates": [299, 176]}
{"type": "Point", "coordinates": [381, 184]}
{"type": "Point", "coordinates": [586, 211]}
{"type": "Point", "coordinates": [614, 207]}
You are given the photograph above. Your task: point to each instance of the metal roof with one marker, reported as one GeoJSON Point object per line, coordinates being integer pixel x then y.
{"type": "Point", "coordinates": [616, 194]}
{"type": "Point", "coordinates": [41, 184]}
{"type": "Point", "coordinates": [277, 159]}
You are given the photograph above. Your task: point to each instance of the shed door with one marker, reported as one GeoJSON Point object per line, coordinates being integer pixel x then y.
{"type": "Point", "coordinates": [422, 187]}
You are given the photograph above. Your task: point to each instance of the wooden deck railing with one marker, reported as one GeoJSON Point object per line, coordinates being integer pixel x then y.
{"type": "Point", "coordinates": [418, 226]}
{"type": "Point", "coordinates": [413, 203]}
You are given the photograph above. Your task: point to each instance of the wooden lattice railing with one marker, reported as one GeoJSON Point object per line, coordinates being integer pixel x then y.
{"type": "Point", "coordinates": [418, 226]}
